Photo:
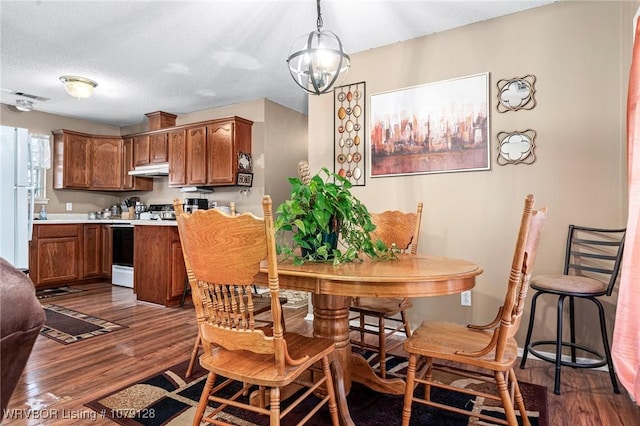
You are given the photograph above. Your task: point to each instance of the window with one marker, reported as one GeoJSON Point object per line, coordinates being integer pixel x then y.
{"type": "Point", "coordinates": [40, 161]}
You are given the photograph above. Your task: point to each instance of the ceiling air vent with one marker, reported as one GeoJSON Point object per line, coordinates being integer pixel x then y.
{"type": "Point", "coordinates": [27, 95]}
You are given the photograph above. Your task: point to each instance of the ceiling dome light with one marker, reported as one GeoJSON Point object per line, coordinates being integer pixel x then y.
{"type": "Point", "coordinates": [318, 61]}
{"type": "Point", "coordinates": [78, 87]}
{"type": "Point", "coordinates": [24, 105]}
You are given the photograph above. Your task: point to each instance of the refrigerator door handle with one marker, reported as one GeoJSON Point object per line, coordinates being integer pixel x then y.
{"type": "Point", "coordinates": [31, 189]}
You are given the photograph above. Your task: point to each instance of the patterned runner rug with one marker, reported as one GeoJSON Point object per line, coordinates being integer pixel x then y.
{"type": "Point", "coordinates": [57, 291]}
{"type": "Point", "coordinates": [68, 326]}
{"type": "Point", "coordinates": [166, 398]}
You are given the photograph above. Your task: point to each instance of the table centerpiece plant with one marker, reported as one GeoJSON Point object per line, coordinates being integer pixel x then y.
{"type": "Point", "coordinates": [322, 221]}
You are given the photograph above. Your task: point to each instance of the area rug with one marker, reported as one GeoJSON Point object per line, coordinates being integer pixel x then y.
{"type": "Point", "coordinates": [57, 291]}
{"type": "Point", "coordinates": [68, 326]}
{"type": "Point", "coordinates": [166, 398]}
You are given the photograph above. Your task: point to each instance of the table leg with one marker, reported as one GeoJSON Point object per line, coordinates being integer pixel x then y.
{"type": "Point", "coordinates": [331, 321]}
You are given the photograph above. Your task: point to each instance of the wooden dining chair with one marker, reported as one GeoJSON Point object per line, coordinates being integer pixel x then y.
{"type": "Point", "coordinates": [261, 304]}
{"type": "Point", "coordinates": [488, 348]}
{"type": "Point", "coordinates": [222, 255]}
{"type": "Point", "coordinates": [403, 230]}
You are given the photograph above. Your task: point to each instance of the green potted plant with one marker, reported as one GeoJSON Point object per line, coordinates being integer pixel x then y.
{"type": "Point", "coordinates": [323, 222]}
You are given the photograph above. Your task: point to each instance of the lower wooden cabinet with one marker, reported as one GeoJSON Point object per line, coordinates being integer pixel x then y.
{"type": "Point", "coordinates": [55, 255]}
{"type": "Point", "coordinates": [62, 254]}
{"type": "Point", "coordinates": [159, 273]}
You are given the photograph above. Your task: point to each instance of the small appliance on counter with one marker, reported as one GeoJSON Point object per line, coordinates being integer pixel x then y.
{"type": "Point", "coordinates": [193, 204]}
{"type": "Point", "coordinates": [162, 212]}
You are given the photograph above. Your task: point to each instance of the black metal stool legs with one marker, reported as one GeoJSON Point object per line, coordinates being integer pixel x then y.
{"type": "Point", "coordinates": [559, 343]}
{"type": "Point", "coordinates": [605, 343]}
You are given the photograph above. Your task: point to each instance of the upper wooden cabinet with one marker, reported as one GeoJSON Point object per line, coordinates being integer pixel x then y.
{"type": "Point", "coordinates": [150, 149]}
{"type": "Point", "coordinates": [176, 141]}
{"type": "Point", "coordinates": [71, 160]}
{"type": "Point", "coordinates": [132, 183]}
{"type": "Point", "coordinates": [90, 162]}
{"type": "Point", "coordinates": [106, 163]}
{"type": "Point", "coordinates": [210, 153]}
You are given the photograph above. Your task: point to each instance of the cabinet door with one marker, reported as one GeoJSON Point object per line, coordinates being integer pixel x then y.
{"type": "Point", "coordinates": [54, 256]}
{"type": "Point", "coordinates": [127, 163]}
{"type": "Point", "coordinates": [77, 161]}
{"type": "Point", "coordinates": [178, 272]}
{"type": "Point", "coordinates": [107, 159]}
{"type": "Point", "coordinates": [141, 150]}
{"type": "Point", "coordinates": [133, 183]}
{"type": "Point", "coordinates": [158, 152]}
{"type": "Point", "coordinates": [221, 151]}
{"type": "Point", "coordinates": [107, 244]}
{"type": "Point", "coordinates": [92, 250]}
{"type": "Point", "coordinates": [197, 156]}
{"type": "Point", "coordinates": [177, 158]}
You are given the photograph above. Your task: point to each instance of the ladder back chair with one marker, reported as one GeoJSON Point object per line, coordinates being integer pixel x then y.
{"type": "Point", "coordinates": [481, 348]}
{"type": "Point", "coordinates": [261, 304]}
{"type": "Point", "coordinates": [403, 230]}
{"type": "Point", "coordinates": [222, 255]}
{"type": "Point", "coordinates": [591, 265]}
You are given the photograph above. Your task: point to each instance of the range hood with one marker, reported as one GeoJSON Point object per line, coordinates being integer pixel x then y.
{"type": "Point", "coordinates": [152, 170]}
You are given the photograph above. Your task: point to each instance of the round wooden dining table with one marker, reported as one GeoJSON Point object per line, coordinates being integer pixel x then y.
{"type": "Point", "coordinates": [333, 287]}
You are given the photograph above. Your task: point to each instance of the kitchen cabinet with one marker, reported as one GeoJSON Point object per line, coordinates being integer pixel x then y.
{"type": "Point", "coordinates": [150, 149]}
{"type": "Point", "coordinates": [71, 160]}
{"type": "Point", "coordinates": [177, 158]}
{"type": "Point", "coordinates": [106, 163]}
{"type": "Point", "coordinates": [107, 247]}
{"type": "Point", "coordinates": [99, 163]}
{"type": "Point", "coordinates": [132, 183]}
{"type": "Point", "coordinates": [92, 250]}
{"type": "Point", "coordinates": [69, 254]}
{"type": "Point", "coordinates": [55, 255]}
{"type": "Point", "coordinates": [210, 156]}
{"type": "Point", "coordinates": [158, 277]}
{"type": "Point", "coordinates": [196, 155]}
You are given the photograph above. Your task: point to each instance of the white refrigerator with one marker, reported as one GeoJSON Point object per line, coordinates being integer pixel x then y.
{"type": "Point", "coordinates": [16, 195]}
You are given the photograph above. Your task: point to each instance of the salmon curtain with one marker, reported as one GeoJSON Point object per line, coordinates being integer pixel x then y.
{"type": "Point", "coordinates": [626, 334]}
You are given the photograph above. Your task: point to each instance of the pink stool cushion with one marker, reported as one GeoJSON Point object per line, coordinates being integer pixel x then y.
{"type": "Point", "coordinates": [569, 283]}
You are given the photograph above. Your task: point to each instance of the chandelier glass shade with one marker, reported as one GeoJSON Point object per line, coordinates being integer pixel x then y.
{"type": "Point", "coordinates": [317, 61]}
{"type": "Point", "coordinates": [78, 87]}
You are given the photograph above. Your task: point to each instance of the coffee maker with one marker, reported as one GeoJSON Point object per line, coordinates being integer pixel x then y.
{"type": "Point", "coordinates": [193, 204]}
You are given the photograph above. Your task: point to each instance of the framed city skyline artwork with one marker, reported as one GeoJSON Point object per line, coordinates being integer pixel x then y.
{"type": "Point", "coordinates": [438, 127]}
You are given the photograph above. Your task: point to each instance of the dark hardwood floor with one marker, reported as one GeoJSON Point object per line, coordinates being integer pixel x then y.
{"type": "Point", "coordinates": [60, 379]}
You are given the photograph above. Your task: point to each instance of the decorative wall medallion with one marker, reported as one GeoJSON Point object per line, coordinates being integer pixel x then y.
{"type": "Point", "coordinates": [516, 147]}
{"type": "Point", "coordinates": [349, 129]}
{"type": "Point", "coordinates": [516, 93]}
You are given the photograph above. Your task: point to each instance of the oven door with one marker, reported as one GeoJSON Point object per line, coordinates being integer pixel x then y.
{"type": "Point", "coordinates": [122, 255]}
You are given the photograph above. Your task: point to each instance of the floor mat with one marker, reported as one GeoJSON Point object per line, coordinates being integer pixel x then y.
{"type": "Point", "coordinates": [68, 326]}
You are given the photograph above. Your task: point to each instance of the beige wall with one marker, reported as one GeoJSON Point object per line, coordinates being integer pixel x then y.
{"type": "Point", "coordinates": [580, 55]}
{"type": "Point", "coordinates": [43, 123]}
{"type": "Point", "coordinates": [280, 128]}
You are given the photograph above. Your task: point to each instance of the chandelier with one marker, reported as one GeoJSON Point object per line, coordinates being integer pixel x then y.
{"type": "Point", "coordinates": [318, 60]}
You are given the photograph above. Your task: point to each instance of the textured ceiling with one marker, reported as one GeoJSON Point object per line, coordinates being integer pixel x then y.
{"type": "Point", "coordinates": [186, 56]}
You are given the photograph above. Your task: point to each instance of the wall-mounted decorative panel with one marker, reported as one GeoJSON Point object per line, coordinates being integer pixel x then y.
{"type": "Point", "coordinates": [349, 133]}
{"type": "Point", "coordinates": [516, 147]}
{"type": "Point", "coordinates": [516, 93]}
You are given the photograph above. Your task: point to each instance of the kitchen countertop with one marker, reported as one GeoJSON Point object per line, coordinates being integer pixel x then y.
{"type": "Point", "coordinates": [55, 220]}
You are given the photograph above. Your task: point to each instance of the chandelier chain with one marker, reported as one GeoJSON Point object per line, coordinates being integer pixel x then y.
{"type": "Point", "coordinates": [319, 21]}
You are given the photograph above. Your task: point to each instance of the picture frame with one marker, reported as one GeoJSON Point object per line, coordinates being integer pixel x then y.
{"type": "Point", "coordinates": [349, 114]}
{"type": "Point", "coordinates": [244, 179]}
{"type": "Point", "coordinates": [437, 127]}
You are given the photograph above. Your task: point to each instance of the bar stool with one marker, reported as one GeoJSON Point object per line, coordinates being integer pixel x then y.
{"type": "Point", "coordinates": [592, 263]}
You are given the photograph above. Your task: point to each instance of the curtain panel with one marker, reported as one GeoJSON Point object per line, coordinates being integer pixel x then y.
{"type": "Point", "coordinates": [626, 334]}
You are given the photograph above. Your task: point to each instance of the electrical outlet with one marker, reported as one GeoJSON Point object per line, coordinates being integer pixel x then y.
{"type": "Point", "coordinates": [69, 207]}
{"type": "Point", "coordinates": [465, 298]}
